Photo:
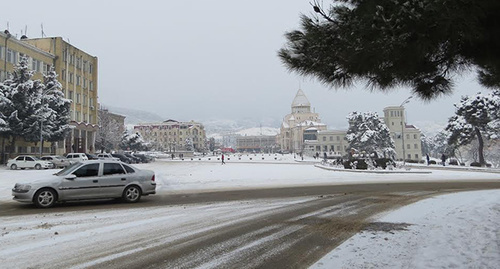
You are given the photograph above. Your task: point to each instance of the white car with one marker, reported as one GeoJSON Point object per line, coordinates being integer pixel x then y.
{"type": "Point", "coordinates": [94, 179]}
{"type": "Point", "coordinates": [57, 161]}
{"type": "Point", "coordinates": [28, 161]}
{"type": "Point", "coordinates": [77, 157]}
{"type": "Point", "coordinates": [107, 156]}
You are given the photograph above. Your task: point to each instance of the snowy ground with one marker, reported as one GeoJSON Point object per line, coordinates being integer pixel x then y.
{"type": "Point", "coordinates": [456, 231]}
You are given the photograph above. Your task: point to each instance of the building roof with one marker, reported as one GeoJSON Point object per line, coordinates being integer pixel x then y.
{"type": "Point", "coordinates": [300, 99]}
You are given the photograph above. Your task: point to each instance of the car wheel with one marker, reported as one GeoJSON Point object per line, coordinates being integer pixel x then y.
{"type": "Point", "coordinates": [38, 166]}
{"type": "Point", "coordinates": [131, 194]}
{"type": "Point", "coordinates": [13, 166]}
{"type": "Point", "coordinates": [45, 198]}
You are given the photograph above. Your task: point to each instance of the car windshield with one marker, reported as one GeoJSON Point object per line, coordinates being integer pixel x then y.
{"type": "Point", "coordinates": [66, 170]}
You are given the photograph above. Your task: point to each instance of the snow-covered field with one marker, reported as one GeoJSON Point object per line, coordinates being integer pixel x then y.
{"type": "Point", "coordinates": [456, 231]}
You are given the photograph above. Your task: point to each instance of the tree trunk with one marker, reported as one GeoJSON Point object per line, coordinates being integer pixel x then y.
{"type": "Point", "coordinates": [480, 147]}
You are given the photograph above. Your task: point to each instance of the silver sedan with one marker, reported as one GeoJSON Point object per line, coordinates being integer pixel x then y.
{"type": "Point", "coordinates": [97, 179]}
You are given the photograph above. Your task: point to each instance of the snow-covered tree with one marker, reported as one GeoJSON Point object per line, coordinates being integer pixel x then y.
{"type": "Point", "coordinates": [55, 110]}
{"type": "Point", "coordinates": [188, 144]}
{"type": "Point", "coordinates": [108, 136]}
{"type": "Point", "coordinates": [23, 116]}
{"type": "Point", "coordinates": [369, 134]}
{"type": "Point", "coordinates": [437, 145]}
{"type": "Point", "coordinates": [475, 117]}
{"type": "Point", "coordinates": [25, 103]}
{"type": "Point", "coordinates": [133, 142]}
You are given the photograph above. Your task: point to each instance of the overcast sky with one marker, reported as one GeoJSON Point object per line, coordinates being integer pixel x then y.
{"type": "Point", "coordinates": [205, 60]}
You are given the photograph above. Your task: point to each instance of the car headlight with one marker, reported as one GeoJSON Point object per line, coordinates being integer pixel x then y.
{"type": "Point", "coordinates": [22, 187]}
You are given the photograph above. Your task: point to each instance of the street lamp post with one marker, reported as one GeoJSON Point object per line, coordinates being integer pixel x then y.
{"type": "Point", "coordinates": [5, 56]}
{"type": "Point", "coordinates": [403, 125]}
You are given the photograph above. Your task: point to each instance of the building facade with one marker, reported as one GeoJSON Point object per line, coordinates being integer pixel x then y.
{"type": "Point", "coordinates": [256, 143]}
{"type": "Point", "coordinates": [302, 132]}
{"type": "Point", "coordinates": [172, 135]}
{"type": "Point", "coordinates": [77, 72]}
{"type": "Point", "coordinates": [291, 137]}
{"type": "Point", "coordinates": [407, 138]}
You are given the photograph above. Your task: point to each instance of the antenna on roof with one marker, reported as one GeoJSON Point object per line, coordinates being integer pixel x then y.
{"type": "Point", "coordinates": [43, 34]}
{"type": "Point", "coordinates": [26, 30]}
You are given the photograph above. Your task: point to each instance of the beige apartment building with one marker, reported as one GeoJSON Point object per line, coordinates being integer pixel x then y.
{"type": "Point", "coordinates": [172, 135]}
{"type": "Point", "coordinates": [302, 132]}
{"type": "Point", "coordinates": [77, 72]}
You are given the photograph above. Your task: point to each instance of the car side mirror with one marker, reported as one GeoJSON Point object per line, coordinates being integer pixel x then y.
{"type": "Point", "coordinates": [70, 177]}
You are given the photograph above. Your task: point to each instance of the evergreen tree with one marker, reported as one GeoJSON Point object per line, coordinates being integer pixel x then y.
{"type": "Point", "coordinates": [55, 109]}
{"type": "Point", "coordinates": [24, 114]}
{"type": "Point", "coordinates": [369, 134]}
{"type": "Point", "coordinates": [475, 117]}
{"type": "Point", "coordinates": [133, 142]}
{"type": "Point", "coordinates": [388, 43]}
{"type": "Point", "coordinates": [188, 144]}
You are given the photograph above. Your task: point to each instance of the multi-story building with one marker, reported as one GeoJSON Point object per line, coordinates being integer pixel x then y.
{"type": "Point", "coordinates": [302, 132]}
{"type": "Point", "coordinates": [77, 72]}
{"type": "Point", "coordinates": [256, 143]}
{"type": "Point", "coordinates": [172, 135]}
{"type": "Point", "coordinates": [407, 138]}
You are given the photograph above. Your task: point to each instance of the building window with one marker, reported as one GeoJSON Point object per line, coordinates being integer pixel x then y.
{"type": "Point", "coordinates": [78, 78]}
{"type": "Point", "coordinates": [77, 98]}
{"type": "Point", "coordinates": [415, 146]}
{"type": "Point", "coordinates": [70, 95]}
{"type": "Point", "coordinates": [91, 85]}
{"type": "Point", "coordinates": [416, 156]}
{"type": "Point", "coordinates": [91, 102]}
{"type": "Point", "coordinates": [324, 138]}
{"type": "Point", "coordinates": [46, 68]}
{"type": "Point", "coordinates": [338, 138]}
{"type": "Point", "coordinates": [407, 136]}
{"type": "Point", "coordinates": [91, 68]}
{"type": "Point", "coordinates": [71, 79]}
{"type": "Point", "coordinates": [408, 146]}
{"type": "Point", "coordinates": [63, 74]}
{"type": "Point", "coordinates": [84, 99]}
{"type": "Point", "coordinates": [414, 136]}
{"type": "Point", "coordinates": [84, 83]}
{"type": "Point", "coordinates": [409, 156]}
{"type": "Point", "coordinates": [331, 138]}
{"type": "Point", "coordinates": [78, 116]}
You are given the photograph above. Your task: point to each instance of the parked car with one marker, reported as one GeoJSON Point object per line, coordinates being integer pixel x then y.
{"type": "Point", "coordinates": [95, 179]}
{"type": "Point", "coordinates": [77, 157]}
{"type": "Point", "coordinates": [57, 161]}
{"type": "Point", "coordinates": [144, 158]}
{"type": "Point", "coordinates": [133, 157]}
{"type": "Point", "coordinates": [91, 156]}
{"type": "Point", "coordinates": [122, 158]}
{"type": "Point", "coordinates": [28, 161]}
{"type": "Point", "coordinates": [107, 156]}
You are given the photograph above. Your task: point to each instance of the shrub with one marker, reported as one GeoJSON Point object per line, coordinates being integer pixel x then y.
{"type": "Point", "coordinates": [361, 164]}
{"type": "Point", "coordinates": [411, 161]}
{"type": "Point", "coordinates": [453, 162]}
{"type": "Point", "coordinates": [432, 162]}
{"type": "Point", "coordinates": [475, 164]}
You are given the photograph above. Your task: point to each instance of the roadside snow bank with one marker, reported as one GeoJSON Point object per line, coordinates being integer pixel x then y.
{"type": "Point", "coordinates": [450, 231]}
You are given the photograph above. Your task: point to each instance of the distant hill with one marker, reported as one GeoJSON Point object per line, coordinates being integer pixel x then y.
{"type": "Point", "coordinates": [134, 116]}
